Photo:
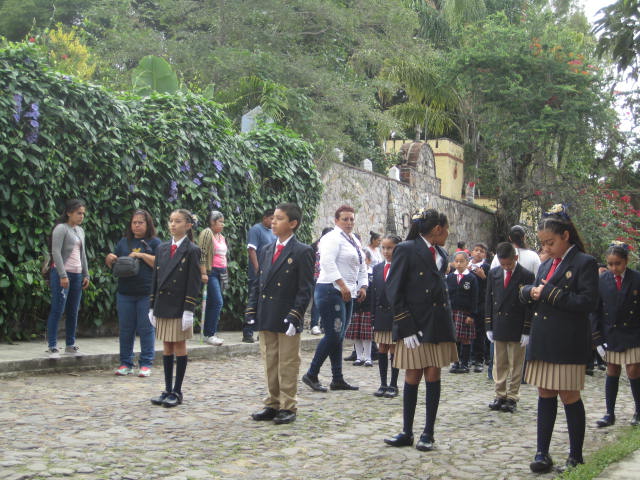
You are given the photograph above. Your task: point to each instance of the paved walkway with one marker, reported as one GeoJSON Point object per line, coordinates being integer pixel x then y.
{"type": "Point", "coordinates": [89, 424]}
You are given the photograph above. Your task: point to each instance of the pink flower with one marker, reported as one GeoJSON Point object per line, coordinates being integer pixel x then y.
{"type": "Point", "coordinates": [32, 39]}
{"type": "Point", "coordinates": [625, 198]}
{"type": "Point", "coordinates": [604, 224]}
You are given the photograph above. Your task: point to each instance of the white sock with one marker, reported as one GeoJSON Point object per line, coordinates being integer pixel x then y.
{"type": "Point", "coordinates": [359, 349]}
{"type": "Point", "coordinates": [366, 345]}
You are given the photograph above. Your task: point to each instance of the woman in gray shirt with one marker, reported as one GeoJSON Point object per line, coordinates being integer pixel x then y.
{"type": "Point", "coordinates": [69, 276]}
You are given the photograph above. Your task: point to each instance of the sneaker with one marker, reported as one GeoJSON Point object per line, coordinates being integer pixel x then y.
{"type": "Point", "coordinates": [53, 352]}
{"type": "Point", "coordinates": [316, 330]}
{"type": "Point", "coordinates": [144, 372]}
{"type": "Point", "coordinates": [213, 340]}
{"type": "Point", "coordinates": [73, 350]}
{"type": "Point", "coordinates": [123, 371]}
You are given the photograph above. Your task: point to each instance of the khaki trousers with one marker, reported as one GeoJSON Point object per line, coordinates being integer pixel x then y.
{"type": "Point", "coordinates": [508, 360]}
{"type": "Point", "coordinates": [281, 355]}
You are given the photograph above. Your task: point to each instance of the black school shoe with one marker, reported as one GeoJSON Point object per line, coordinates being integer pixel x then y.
{"type": "Point", "coordinates": [570, 464]}
{"type": "Point", "coordinates": [266, 413]}
{"type": "Point", "coordinates": [426, 443]}
{"type": "Point", "coordinates": [284, 416]}
{"type": "Point", "coordinates": [391, 392]}
{"type": "Point", "coordinates": [606, 421]}
{"type": "Point", "coordinates": [380, 392]}
{"type": "Point", "coordinates": [497, 403]}
{"type": "Point", "coordinates": [454, 368]}
{"type": "Point", "coordinates": [342, 385]}
{"type": "Point", "coordinates": [173, 400]}
{"type": "Point", "coordinates": [477, 368]}
{"type": "Point", "coordinates": [160, 398]}
{"type": "Point", "coordinates": [509, 406]}
{"type": "Point", "coordinates": [542, 463]}
{"type": "Point", "coordinates": [400, 440]}
{"type": "Point", "coordinates": [313, 384]}
{"type": "Point", "coordinates": [351, 357]}
{"type": "Point", "coordinates": [464, 368]}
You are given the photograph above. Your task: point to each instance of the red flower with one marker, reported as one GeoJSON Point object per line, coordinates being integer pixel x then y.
{"type": "Point", "coordinates": [625, 198]}
{"type": "Point", "coordinates": [64, 56]}
{"type": "Point", "coordinates": [604, 224]}
{"type": "Point", "coordinates": [472, 184]}
{"type": "Point", "coordinates": [32, 39]}
{"type": "Point", "coordinates": [537, 193]}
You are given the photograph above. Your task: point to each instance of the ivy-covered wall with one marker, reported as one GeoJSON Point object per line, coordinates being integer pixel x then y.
{"type": "Point", "coordinates": [60, 138]}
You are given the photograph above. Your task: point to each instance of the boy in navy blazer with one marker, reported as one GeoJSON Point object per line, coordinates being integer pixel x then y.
{"type": "Point", "coordinates": [278, 298]}
{"type": "Point", "coordinates": [507, 322]}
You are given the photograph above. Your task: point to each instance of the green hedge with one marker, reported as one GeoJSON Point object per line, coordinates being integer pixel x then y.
{"type": "Point", "coordinates": [60, 138]}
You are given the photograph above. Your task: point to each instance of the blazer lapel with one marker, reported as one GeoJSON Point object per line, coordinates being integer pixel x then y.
{"type": "Point", "coordinates": [284, 255]}
{"type": "Point", "coordinates": [172, 263]}
{"type": "Point", "coordinates": [564, 264]}
{"type": "Point", "coordinates": [626, 284]}
{"type": "Point", "coordinates": [268, 255]}
{"type": "Point", "coordinates": [513, 282]}
{"type": "Point", "coordinates": [423, 252]}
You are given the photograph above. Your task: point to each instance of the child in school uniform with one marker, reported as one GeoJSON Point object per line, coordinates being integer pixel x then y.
{"type": "Point", "coordinates": [422, 323]}
{"type": "Point", "coordinates": [360, 330]}
{"type": "Point", "coordinates": [480, 268]}
{"type": "Point", "coordinates": [565, 292]}
{"type": "Point", "coordinates": [508, 322]}
{"type": "Point", "coordinates": [616, 329]}
{"type": "Point", "coordinates": [463, 292]}
{"type": "Point", "coordinates": [383, 318]}
{"type": "Point", "coordinates": [175, 287]}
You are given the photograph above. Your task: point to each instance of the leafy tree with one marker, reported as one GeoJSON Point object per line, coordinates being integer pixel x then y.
{"type": "Point", "coordinates": [619, 30]}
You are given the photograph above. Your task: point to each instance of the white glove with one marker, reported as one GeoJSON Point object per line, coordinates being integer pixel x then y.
{"type": "Point", "coordinates": [490, 336]}
{"type": "Point", "coordinates": [251, 322]}
{"type": "Point", "coordinates": [524, 340]}
{"type": "Point", "coordinates": [412, 341]}
{"type": "Point", "coordinates": [291, 331]}
{"type": "Point", "coordinates": [601, 349]}
{"type": "Point", "coordinates": [152, 319]}
{"type": "Point", "coordinates": [187, 320]}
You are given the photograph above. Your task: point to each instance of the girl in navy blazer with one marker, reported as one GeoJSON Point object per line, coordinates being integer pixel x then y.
{"type": "Point", "coordinates": [422, 322]}
{"type": "Point", "coordinates": [463, 290]}
{"type": "Point", "coordinates": [564, 294]}
{"type": "Point", "coordinates": [616, 329]}
{"type": "Point", "coordinates": [383, 318]}
{"type": "Point", "coordinates": [175, 286]}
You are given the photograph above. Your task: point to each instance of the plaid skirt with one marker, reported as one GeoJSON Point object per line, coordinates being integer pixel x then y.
{"type": "Point", "coordinates": [360, 327]}
{"type": "Point", "coordinates": [464, 332]}
{"type": "Point", "coordinates": [628, 357]}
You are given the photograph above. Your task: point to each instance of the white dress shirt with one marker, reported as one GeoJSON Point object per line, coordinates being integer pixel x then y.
{"type": "Point", "coordinates": [439, 259]}
{"type": "Point", "coordinates": [527, 258]}
{"type": "Point", "coordinates": [339, 259]}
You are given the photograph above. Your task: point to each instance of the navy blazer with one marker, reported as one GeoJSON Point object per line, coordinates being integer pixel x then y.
{"type": "Point", "coordinates": [464, 296]}
{"type": "Point", "coordinates": [482, 284]}
{"type": "Point", "coordinates": [175, 282]}
{"type": "Point", "coordinates": [505, 315]}
{"type": "Point", "coordinates": [282, 290]}
{"type": "Point", "coordinates": [418, 294]}
{"type": "Point", "coordinates": [616, 322]}
{"type": "Point", "coordinates": [381, 307]}
{"type": "Point", "coordinates": [560, 327]}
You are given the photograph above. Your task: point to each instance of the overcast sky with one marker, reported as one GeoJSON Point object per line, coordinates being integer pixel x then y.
{"type": "Point", "coordinates": [591, 7]}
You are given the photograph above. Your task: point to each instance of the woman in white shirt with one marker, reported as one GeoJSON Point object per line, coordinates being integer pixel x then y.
{"type": "Point", "coordinates": [375, 239]}
{"type": "Point", "coordinates": [527, 258]}
{"type": "Point", "coordinates": [343, 278]}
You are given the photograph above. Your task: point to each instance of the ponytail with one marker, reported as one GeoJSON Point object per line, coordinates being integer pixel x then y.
{"type": "Point", "coordinates": [423, 222]}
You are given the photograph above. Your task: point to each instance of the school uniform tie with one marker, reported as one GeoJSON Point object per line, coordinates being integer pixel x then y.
{"type": "Point", "coordinates": [507, 278]}
{"type": "Point", "coordinates": [174, 247]}
{"type": "Point", "coordinates": [433, 252]}
{"type": "Point", "coordinates": [459, 275]}
{"type": "Point", "coordinates": [554, 265]}
{"type": "Point", "coordinates": [385, 271]}
{"type": "Point", "coordinates": [619, 282]}
{"type": "Point", "coordinates": [279, 249]}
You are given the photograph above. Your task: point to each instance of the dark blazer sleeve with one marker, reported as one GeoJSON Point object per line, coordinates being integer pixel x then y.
{"type": "Point", "coordinates": [529, 278]}
{"type": "Point", "coordinates": [306, 262]}
{"type": "Point", "coordinates": [396, 280]}
{"type": "Point", "coordinates": [584, 298]}
{"type": "Point", "coordinates": [595, 317]}
{"type": "Point", "coordinates": [194, 281]}
{"type": "Point", "coordinates": [475, 296]}
{"type": "Point", "coordinates": [488, 303]}
{"type": "Point", "coordinates": [154, 277]}
{"type": "Point", "coordinates": [251, 310]}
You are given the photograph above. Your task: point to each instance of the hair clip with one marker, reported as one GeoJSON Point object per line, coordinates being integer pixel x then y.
{"type": "Point", "coordinates": [618, 243]}
{"type": "Point", "coordinates": [194, 219]}
{"type": "Point", "coordinates": [559, 210]}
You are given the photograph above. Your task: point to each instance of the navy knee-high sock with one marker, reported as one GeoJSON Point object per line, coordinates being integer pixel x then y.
{"type": "Point", "coordinates": [409, 401]}
{"type": "Point", "coordinates": [432, 400]}
{"type": "Point", "coordinates": [167, 361]}
{"type": "Point", "coordinates": [383, 365]}
{"type": "Point", "coordinates": [576, 424]}
{"type": "Point", "coordinates": [181, 368]}
{"type": "Point", "coordinates": [635, 391]}
{"type": "Point", "coordinates": [611, 393]}
{"type": "Point", "coordinates": [394, 373]}
{"type": "Point", "coordinates": [466, 353]}
{"type": "Point", "coordinates": [547, 411]}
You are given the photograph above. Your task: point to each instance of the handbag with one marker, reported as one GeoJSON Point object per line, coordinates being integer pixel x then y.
{"type": "Point", "coordinates": [224, 280]}
{"type": "Point", "coordinates": [125, 267]}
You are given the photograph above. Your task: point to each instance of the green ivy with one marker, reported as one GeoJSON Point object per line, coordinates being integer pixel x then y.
{"type": "Point", "coordinates": [60, 138]}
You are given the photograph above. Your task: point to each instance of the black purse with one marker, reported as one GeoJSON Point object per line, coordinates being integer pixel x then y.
{"type": "Point", "coordinates": [125, 267]}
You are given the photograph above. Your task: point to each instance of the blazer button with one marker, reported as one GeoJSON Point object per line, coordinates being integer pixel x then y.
{"type": "Point", "coordinates": [421, 273]}
{"type": "Point", "coordinates": [625, 324]}
{"type": "Point", "coordinates": [278, 283]}
{"type": "Point", "coordinates": [545, 317]}
{"type": "Point", "coordinates": [264, 296]}
{"type": "Point", "coordinates": [270, 298]}
{"type": "Point", "coordinates": [434, 304]}
{"type": "Point", "coordinates": [535, 314]}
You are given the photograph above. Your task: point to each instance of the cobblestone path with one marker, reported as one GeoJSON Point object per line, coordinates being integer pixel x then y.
{"type": "Point", "coordinates": [93, 425]}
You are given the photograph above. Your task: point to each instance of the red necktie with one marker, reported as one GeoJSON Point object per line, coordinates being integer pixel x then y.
{"type": "Point", "coordinates": [279, 249]}
{"type": "Point", "coordinates": [433, 252]}
{"type": "Point", "coordinates": [174, 247]}
{"type": "Point", "coordinates": [619, 282]}
{"type": "Point", "coordinates": [507, 278]}
{"type": "Point", "coordinates": [459, 278]}
{"type": "Point", "coordinates": [385, 271]}
{"type": "Point", "coordinates": [554, 265]}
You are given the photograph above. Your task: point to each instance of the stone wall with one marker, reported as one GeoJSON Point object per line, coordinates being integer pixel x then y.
{"type": "Point", "coordinates": [386, 205]}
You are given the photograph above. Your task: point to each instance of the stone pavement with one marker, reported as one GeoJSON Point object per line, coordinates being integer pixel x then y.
{"type": "Point", "coordinates": [90, 424]}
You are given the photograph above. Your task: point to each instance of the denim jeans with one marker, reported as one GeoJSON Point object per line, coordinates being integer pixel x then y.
{"type": "Point", "coordinates": [315, 313]}
{"type": "Point", "coordinates": [214, 303]}
{"type": "Point", "coordinates": [67, 301]}
{"type": "Point", "coordinates": [133, 317]}
{"type": "Point", "coordinates": [335, 315]}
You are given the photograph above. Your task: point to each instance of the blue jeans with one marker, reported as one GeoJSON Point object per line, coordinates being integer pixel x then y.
{"type": "Point", "coordinates": [315, 314]}
{"type": "Point", "coordinates": [133, 317]}
{"type": "Point", "coordinates": [214, 303]}
{"type": "Point", "coordinates": [335, 315]}
{"type": "Point", "coordinates": [64, 300]}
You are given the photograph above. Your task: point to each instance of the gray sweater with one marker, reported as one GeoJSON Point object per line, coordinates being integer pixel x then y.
{"type": "Point", "coordinates": [62, 242]}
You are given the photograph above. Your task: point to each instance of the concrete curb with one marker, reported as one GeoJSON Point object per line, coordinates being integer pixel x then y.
{"type": "Point", "coordinates": [43, 365]}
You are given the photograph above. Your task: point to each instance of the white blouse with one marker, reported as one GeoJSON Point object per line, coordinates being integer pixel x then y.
{"type": "Point", "coordinates": [342, 257]}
